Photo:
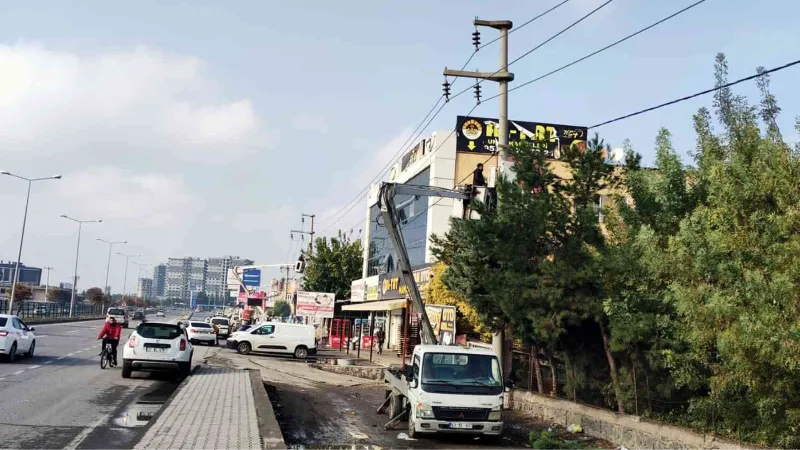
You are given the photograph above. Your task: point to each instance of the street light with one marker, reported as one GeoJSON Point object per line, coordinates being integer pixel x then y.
{"type": "Point", "coordinates": [108, 264]}
{"type": "Point", "coordinates": [125, 282]}
{"type": "Point", "coordinates": [22, 236]}
{"type": "Point", "coordinates": [77, 252]}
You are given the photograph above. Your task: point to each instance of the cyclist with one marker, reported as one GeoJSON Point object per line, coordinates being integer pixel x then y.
{"type": "Point", "coordinates": [111, 333]}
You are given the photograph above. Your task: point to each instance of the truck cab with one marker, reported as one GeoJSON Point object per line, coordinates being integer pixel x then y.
{"type": "Point", "coordinates": [455, 390]}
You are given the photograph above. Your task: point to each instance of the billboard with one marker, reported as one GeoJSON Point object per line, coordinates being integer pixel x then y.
{"type": "Point", "coordinates": [443, 321]}
{"type": "Point", "coordinates": [317, 305]}
{"type": "Point", "coordinates": [391, 285]}
{"type": "Point", "coordinates": [372, 291]}
{"type": "Point", "coordinates": [357, 291]}
{"type": "Point", "coordinates": [252, 277]}
{"type": "Point", "coordinates": [480, 134]}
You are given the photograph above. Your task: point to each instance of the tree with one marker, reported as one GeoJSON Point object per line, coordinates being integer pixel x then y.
{"type": "Point", "coordinates": [95, 296]}
{"type": "Point", "coordinates": [53, 295]}
{"type": "Point", "coordinates": [281, 309]}
{"type": "Point", "coordinates": [23, 293]}
{"type": "Point", "coordinates": [333, 266]}
{"type": "Point", "coordinates": [202, 298]}
{"type": "Point", "coordinates": [437, 293]}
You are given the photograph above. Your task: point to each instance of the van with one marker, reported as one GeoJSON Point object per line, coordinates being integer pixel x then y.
{"type": "Point", "coordinates": [119, 314]}
{"type": "Point", "coordinates": [273, 337]}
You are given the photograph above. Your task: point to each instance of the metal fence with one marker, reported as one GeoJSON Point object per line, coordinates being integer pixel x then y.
{"type": "Point", "coordinates": [41, 310]}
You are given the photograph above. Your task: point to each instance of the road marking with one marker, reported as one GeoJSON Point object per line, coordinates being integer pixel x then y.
{"type": "Point", "coordinates": [1, 379]}
{"type": "Point", "coordinates": [39, 336]}
{"type": "Point", "coordinates": [19, 372]}
{"type": "Point", "coordinates": [48, 362]}
{"type": "Point", "coordinates": [87, 348]}
{"type": "Point", "coordinates": [70, 354]}
{"type": "Point", "coordinates": [78, 440]}
{"type": "Point", "coordinates": [61, 358]}
{"type": "Point", "coordinates": [73, 331]}
{"type": "Point", "coordinates": [33, 367]}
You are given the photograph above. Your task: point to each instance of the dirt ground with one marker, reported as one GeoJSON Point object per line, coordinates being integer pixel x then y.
{"type": "Point", "coordinates": [318, 409]}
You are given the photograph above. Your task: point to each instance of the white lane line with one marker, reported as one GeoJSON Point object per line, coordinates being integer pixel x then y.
{"type": "Point", "coordinates": [87, 348]}
{"type": "Point", "coordinates": [73, 331]}
{"type": "Point", "coordinates": [34, 367]}
{"type": "Point", "coordinates": [70, 354]}
{"type": "Point", "coordinates": [39, 336]}
{"type": "Point", "coordinates": [19, 372]}
{"type": "Point", "coordinates": [88, 430]}
{"type": "Point", "coordinates": [61, 358]}
{"type": "Point", "coordinates": [1, 379]}
{"type": "Point", "coordinates": [48, 362]}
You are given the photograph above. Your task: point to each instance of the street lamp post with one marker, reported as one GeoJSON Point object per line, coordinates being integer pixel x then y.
{"type": "Point", "coordinates": [77, 253]}
{"type": "Point", "coordinates": [125, 281]}
{"type": "Point", "coordinates": [22, 236]}
{"type": "Point", "coordinates": [108, 264]}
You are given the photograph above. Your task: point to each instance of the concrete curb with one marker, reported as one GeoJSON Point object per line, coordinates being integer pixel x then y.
{"type": "Point", "coordinates": [271, 435]}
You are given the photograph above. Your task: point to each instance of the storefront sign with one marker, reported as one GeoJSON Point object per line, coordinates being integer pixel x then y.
{"type": "Point", "coordinates": [373, 293]}
{"type": "Point", "coordinates": [315, 304]}
{"type": "Point", "coordinates": [393, 286]}
{"type": "Point", "coordinates": [479, 134]}
{"type": "Point", "coordinates": [443, 321]}
{"type": "Point", "coordinates": [357, 291]}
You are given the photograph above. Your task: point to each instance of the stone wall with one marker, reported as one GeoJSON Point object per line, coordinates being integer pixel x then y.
{"type": "Point", "coordinates": [630, 431]}
{"type": "Point", "coordinates": [366, 372]}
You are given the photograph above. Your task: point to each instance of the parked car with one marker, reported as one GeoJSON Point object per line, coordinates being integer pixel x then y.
{"type": "Point", "coordinates": [201, 332]}
{"type": "Point", "coordinates": [15, 337]}
{"type": "Point", "coordinates": [223, 327]}
{"type": "Point", "coordinates": [295, 339]}
{"type": "Point", "coordinates": [120, 314]}
{"type": "Point", "coordinates": [156, 347]}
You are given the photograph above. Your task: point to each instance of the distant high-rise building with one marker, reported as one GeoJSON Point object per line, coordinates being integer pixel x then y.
{"type": "Point", "coordinates": [207, 275]}
{"type": "Point", "coordinates": [217, 275]}
{"type": "Point", "coordinates": [183, 271]}
{"type": "Point", "coordinates": [160, 281]}
{"type": "Point", "coordinates": [144, 289]}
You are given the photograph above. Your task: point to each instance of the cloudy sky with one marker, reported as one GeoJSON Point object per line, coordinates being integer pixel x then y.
{"type": "Point", "coordinates": [206, 128]}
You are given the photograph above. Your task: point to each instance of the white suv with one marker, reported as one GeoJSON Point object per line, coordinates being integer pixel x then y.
{"type": "Point", "coordinates": [155, 347]}
{"type": "Point", "coordinates": [223, 326]}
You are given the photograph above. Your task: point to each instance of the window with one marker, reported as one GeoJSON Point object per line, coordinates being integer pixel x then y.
{"type": "Point", "coordinates": [116, 312]}
{"type": "Point", "coordinates": [159, 331]}
{"type": "Point", "coordinates": [461, 373]}
{"type": "Point", "coordinates": [265, 330]}
{"type": "Point", "coordinates": [416, 367]}
{"type": "Point", "coordinates": [219, 321]}
{"type": "Point", "coordinates": [17, 324]}
{"type": "Point", "coordinates": [200, 325]}
{"type": "Point", "coordinates": [3, 321]}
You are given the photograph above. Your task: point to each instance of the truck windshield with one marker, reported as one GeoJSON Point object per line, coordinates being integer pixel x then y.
{"type": "Point", "coordinates": [460, 373]}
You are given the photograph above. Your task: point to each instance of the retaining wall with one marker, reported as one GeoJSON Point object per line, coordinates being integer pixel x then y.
{"type": "Point", "coordinates": [369, 373]}
{"type": "Point", "coordinates": [621, 429]}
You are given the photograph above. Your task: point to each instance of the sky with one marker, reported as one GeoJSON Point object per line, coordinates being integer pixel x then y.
{"type": "Point", "coordinates": [200, 128]}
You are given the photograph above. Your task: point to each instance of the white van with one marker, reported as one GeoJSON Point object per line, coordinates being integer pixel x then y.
{"type": "Point", "coordinates": [275, 337]}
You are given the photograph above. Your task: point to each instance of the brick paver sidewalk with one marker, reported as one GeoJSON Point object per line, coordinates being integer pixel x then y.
{"type": "Point", "coordinates": [214, 408]}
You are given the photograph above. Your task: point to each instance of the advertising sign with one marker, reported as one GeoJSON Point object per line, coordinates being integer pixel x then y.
{"type": "Point", "coordinates": [252, 277]}
{"type": "Point", "coordinates": [391, 285]}
{"type": "Point", "coordinates": [480, 134]}
{"type": "Point", "coordinates": [371, 284]}
{"type": "Point", "coordinates": [357, 291]}
{"type": "Point", "coordinates": [318, 305]}
{"type": "Point", "coordinates": [443, 320]}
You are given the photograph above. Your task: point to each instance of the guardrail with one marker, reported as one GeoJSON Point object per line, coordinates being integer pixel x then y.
{"type": "Point", "coordinates": [46, 310]}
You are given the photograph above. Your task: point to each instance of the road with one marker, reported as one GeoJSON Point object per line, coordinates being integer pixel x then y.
{"type": "Point", "coordinates": [61, 398]}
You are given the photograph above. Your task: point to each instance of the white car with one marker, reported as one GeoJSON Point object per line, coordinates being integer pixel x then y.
{"type": "Point", "coordinates": [298, 340]}
{"type": "Point", "coordinates": [120, 314]}
{"type": "Point", "coordinates": [223, 326]}
{"type": "Point", "coordinates": [201, 332]}
{"type": "Point", "coordinates": [15, 337]}
{"type": "Point", "coordinates": [161, 314]}
{"type": "Point", "coordinates": [156, 347]}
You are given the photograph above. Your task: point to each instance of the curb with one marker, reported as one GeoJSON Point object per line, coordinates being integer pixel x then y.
{"type": "Point", "coordinates": [268, 427]}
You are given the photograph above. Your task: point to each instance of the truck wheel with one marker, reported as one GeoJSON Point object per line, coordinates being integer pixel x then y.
{"type": "Point", "coordinates": [412, 432]}
{"type": "Point", "coordinates": [395, 405]}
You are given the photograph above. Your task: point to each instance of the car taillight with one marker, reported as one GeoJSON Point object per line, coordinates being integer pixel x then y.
{"type": "Point", "coordinates": [183, 344]}
{"type": "Point", "coordinates": [3, 333]}
{"type": "Point", "coordinates": [193, 330]}
{"type": "Point", "coordinates": [132, 342]}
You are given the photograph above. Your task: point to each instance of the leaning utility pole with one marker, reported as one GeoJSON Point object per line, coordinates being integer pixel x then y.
{"type": "Point", "coordinates": [47, 284]}
{"type": "Point", "coordinates": [310, 233]}
{"type": "Point", "coordinates": [502, 77]}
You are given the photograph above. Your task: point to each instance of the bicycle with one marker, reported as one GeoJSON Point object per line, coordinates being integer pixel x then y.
{"type": "Point", "coordinates": [106, 356]}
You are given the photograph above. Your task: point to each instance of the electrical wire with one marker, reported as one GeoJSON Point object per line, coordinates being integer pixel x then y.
{"type": "Point", "coordinates": [613, 44]}
{"type": "Point", "coordinates": [697, 94]}
{"type": "Point", "coordinates": [419, 131]}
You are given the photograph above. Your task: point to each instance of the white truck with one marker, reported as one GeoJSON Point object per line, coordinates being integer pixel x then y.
{"type": "Point", "coordinates": [443, 388]}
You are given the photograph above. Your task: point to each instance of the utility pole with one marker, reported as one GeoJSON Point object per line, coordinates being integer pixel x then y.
{"type": "Point", "coordinates": [311, 233]}
{"type": "Point", "coordinates": [47, 284]}
{"type": "Point", "coordinates": [502, 77]}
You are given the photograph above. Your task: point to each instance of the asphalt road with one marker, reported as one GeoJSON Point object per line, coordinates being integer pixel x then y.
{"type": "Point", "coordinates": [61, 398]}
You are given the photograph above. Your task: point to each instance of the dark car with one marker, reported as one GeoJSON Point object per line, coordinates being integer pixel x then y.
{"type": "Point", "coordinates": [138, 315]}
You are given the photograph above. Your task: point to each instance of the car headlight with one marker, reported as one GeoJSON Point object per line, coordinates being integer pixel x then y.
{"type": "Point", "coordinates": [496, 416]}
{"type": "Point", "coordinates": [424, 411]}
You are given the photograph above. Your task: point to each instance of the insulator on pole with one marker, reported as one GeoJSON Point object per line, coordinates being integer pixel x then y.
{"type": "Point", "coordinates": [476, 39]}
{"type": "Point", "coordinates": [446, 88]}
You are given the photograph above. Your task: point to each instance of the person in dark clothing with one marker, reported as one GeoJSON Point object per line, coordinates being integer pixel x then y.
{"type": "Point", "coordinates": [381, 335]}
{"type": "Point", "coordinates": [477, 176]}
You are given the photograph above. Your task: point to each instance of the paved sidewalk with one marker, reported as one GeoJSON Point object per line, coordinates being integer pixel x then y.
{"type": "Point", "coordinates": [214, 408]}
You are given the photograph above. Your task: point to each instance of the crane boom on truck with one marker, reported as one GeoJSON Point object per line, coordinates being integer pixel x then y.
{"type": "Point", "coordinates": [386, 196]}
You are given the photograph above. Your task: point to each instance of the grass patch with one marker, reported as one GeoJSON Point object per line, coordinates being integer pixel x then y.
{"type": "Point", "coordinates": [544, 439]}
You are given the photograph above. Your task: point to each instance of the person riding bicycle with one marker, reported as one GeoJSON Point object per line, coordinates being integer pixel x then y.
{"type": "Point", "coordinates": [111, 333]}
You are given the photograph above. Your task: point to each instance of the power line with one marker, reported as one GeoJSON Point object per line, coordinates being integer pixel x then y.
{"type": "Point", "coordinates": [583, 58]}
{"type": "Point", "coordinates": [383, 171]}
{"type": "Point", "coordinates": [698, 94]}
{"type": "Point", "coordinates": [542, 44]}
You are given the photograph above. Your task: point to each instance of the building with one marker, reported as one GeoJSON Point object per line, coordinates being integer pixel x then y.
{"type": "Point", "coordinates": [217, 275]}
{"type": "Point", "coordinates": [444, 161]}
{"type": "Point", "coordinates": [27, 275]}
{"type": "Point", "coordinates": [144, 288]}
{"type": "Point", "coordinates": [159, 281]}
{"type": "Point", "coordinates": [181, 272]}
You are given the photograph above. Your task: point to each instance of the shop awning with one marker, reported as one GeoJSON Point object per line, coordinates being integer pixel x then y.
{"type": "Point", "coordinates": [381, 305]}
